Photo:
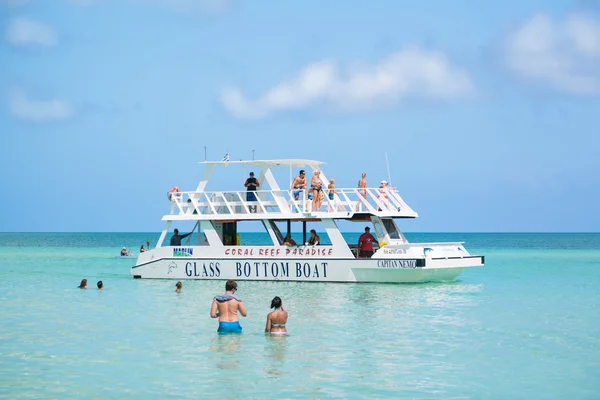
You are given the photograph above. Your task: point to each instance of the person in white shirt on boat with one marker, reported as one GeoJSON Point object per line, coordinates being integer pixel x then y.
{"type": "Point", "coordinates": [176, 238]}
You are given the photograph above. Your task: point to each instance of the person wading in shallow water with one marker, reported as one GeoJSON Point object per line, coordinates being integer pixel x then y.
{"type": "Point", "coordinates": [277, 319]}
{"type": "Point", "coordinates": [226, 307]}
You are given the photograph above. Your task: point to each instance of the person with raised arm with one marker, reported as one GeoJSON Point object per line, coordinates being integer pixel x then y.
{"type": "Point", "coordinates": [176, 238]}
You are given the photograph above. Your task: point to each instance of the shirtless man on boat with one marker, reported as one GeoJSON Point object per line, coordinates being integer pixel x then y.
{"type": "Point", "coordinates": [226, 307]}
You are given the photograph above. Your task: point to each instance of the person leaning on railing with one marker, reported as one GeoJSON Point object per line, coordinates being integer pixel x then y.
{"type": "Point", "coordinates": [176, 238]}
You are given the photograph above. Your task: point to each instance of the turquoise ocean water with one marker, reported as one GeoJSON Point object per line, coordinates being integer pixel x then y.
{"type": "Point", "coordinates": [526, 326]}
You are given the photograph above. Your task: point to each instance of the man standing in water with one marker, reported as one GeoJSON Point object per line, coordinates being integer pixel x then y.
{"type": "Point", "coordinates": [226, 307]}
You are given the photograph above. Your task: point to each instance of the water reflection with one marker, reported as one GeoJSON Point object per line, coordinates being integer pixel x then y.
{"type": "Point", "coordinates": [228, 348]}
{"type": "Point", "coordinates": [275, 352]}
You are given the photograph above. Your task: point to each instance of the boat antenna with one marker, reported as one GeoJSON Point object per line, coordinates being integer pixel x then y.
{"type": "Point", "coordinates": [252, 155]}
{"type": "Point", "coordinates": [388, 169]}
{"type": "Point", "coordinates": [204, 153]}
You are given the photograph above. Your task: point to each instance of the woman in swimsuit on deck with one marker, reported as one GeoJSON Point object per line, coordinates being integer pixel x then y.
{"type": "Point", "coordinates": [277, 319]}
{"type": "Point", "coordinates": [362, 190]}
{"type": "Point", "coordinates": [316, 185]}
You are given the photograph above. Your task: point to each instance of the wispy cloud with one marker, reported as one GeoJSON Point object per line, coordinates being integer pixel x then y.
{"type": "Point", "coordinates": [38, 110]}
{"type": "Point", "coordinates": [564, 53]}
{"type": "Point", "coordinates": [410, 73]}
{"type": "Point", "coordinates": [24, 31]}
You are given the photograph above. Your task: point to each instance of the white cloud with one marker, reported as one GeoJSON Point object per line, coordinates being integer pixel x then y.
{"type": "Point", "coordinates": [36, 110]}
{"type": "Point", "coordinates": [410, 73]}
{"type": "Point", "coordinates": [25, 31]}
{"type": "Point", "coordinates": [564, 54]}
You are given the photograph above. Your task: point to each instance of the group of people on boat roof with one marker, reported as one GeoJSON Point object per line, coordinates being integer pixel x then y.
{"type": "Point", "coordinates": [315, 192]}
{"type": "Point", "coordinates": [226, 306]}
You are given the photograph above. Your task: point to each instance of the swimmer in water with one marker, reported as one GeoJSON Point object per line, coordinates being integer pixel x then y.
{"type": "Point", "coordinates": [277, 319]}
{"type": "Point", "coordinates": [178, 286]}
{"type": "Point", "coordinates": [83, 284]}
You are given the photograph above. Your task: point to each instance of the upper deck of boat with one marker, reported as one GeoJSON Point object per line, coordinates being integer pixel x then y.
{"type": "Point", "coordinates": [283, 204]}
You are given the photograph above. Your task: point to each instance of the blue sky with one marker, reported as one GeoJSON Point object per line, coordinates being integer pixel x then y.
{"type": "Point", "coordinates": [489, 111]}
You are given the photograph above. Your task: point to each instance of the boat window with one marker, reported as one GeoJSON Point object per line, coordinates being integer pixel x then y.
{"type": "Point", "coordinates": [391, 228]}
{"type": "Point", "coordinates": [378, 229]}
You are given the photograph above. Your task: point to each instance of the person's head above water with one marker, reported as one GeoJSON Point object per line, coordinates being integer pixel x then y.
{"type": "Point", "coordinates": [276, 302]}
{"type": "Point", "coordinates": [178, 285]}
{"type": "Point", "coordinates": [230, 285]}
{"type": "Point", "coordinates": [83, 284]}
{"type": "Point", "coordinates": [100, 285]}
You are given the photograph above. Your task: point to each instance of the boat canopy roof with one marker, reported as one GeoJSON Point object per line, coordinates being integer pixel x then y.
{"type": "Point", "coordinates": [268, 163]}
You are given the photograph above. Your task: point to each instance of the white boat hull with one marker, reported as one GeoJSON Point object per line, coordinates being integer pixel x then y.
{"type": "Point", "coordinates": [308, 270]}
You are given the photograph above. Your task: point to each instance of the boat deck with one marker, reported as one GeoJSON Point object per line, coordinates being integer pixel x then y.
{"type": "Point", "coordinates": [282, 204]}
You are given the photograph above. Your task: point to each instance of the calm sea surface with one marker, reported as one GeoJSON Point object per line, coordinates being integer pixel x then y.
{"type": "Point", "coordinates": [526, 326]}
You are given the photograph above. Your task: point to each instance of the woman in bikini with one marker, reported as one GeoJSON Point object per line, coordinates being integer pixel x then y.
{"type": "Point", "coordinates": [362, 190]}
{"type": "Point", "coordinates": [316, 185]}
{"type": "Point", "coordinates": [277, 319]}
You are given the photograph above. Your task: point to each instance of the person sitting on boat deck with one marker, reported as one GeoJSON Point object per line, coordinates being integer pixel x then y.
{"type": "Point", "coordinates": [176, 238]}
{"type": "Point", "coordinates": [83, 284]}
{"type": "Point", "coordinates": [314, 239]}
{"type": "Point", "coordinates": [288, 241]}
{"type": "Point", "coordinates": [316, 186]}
{"type": "Point", "coordinates": [142, 249]}
{"type": "Point", "coordinates": [100, 285]}
{"type": "Point", "coordinates": [251, 183]}
{"type": "Point", "coordinates": [226, 307]}
{"type": "Point", "coordinates": [383, 193]}
{"type": "Point", "coordinates": [365, 244]}
{"type": "Point", "coordinates": [277, 319]}
{"type": "Point", "coordinates": [178, 285]}
{"type": "Point", "coordinates": [299, 184]}
{"type": "Point", "coordinates": [124, 252]}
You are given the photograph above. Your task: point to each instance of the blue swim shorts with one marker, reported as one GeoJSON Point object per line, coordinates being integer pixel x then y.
{"type": "Point", "coordinates": [229, 327]}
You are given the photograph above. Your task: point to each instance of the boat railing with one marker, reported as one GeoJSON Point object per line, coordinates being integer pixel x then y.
{"type": "Point", "coordinates": [290, 202]}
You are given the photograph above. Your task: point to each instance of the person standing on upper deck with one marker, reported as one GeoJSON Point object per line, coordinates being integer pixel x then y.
{"type": "Point", "coordinates": [176, 238]}
{"type": "Point", "coordinates": [316, 186]}
{"type": "Point", "coordinates": [299, 184]}
{"type": "Point", "coordinates": [365, 244]}
{"type": "Point", "coordinates": [362, 190]}
{"type": "Point", "coordinates": [251, 184]}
